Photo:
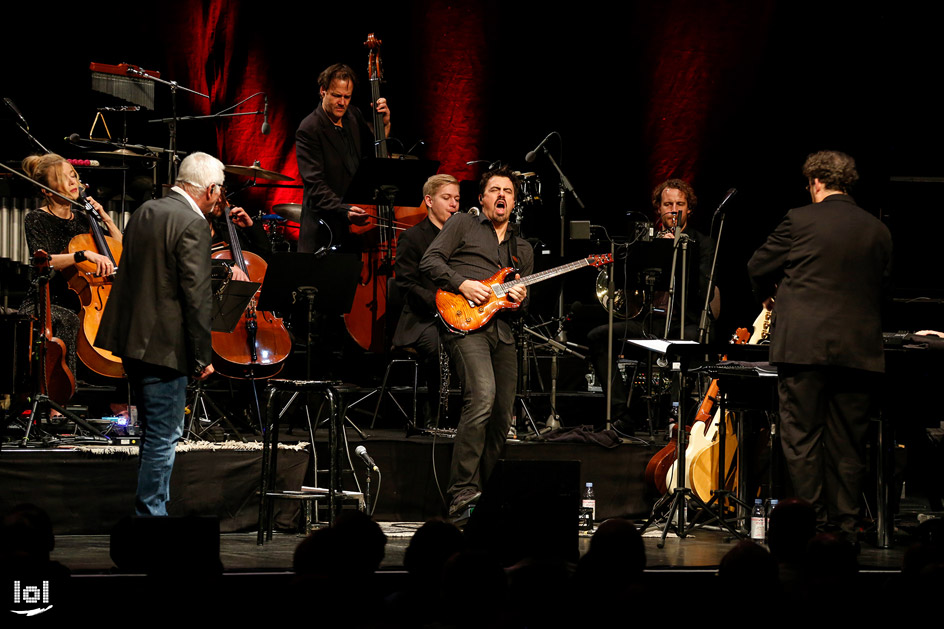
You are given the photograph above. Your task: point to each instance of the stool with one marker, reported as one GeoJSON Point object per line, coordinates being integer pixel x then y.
{"type": "Point", "coordinates": [442, 395]}
{"type": "Point", "coordinates": [333, 391]}
{"type": "Point", "coordinates": [307, 499]}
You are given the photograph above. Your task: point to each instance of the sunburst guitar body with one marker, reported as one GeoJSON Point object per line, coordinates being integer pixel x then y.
{"type": "Point", "coordinates": [462, 316]}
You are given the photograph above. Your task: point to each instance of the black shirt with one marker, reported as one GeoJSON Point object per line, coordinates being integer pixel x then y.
{"type": "Point", "coordinates": [467, 248]}
{"type": "Point", "coordinates": [52, 234]}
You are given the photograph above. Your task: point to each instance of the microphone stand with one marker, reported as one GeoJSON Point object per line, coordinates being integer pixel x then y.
{"type": "Point", "coordinates": [563, 187]}
{"type": "Point", "coordinates": [703, 322]}
{"type": "Point", "coordinates": [24, 126]}
{"type": "Point", "coordinates": [172, 121]}
{"type": "Point", "coordinates": [680, 242]}
{"type": "Point", "coordinates": [558, 348]}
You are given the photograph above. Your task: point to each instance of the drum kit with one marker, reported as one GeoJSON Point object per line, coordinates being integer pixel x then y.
{"type": "Point", "coordinates": [283, 221]}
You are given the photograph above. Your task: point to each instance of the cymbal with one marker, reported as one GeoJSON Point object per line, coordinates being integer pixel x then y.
{"type": "Point", "coordinates": [291, 211]}
{"type": "Point", "coordinates": [256, 172]}
{"type": "Point", "coordinates": [122, 154]}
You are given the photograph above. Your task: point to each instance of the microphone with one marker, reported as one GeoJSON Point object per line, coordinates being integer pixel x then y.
{"type": "Point", "coordinates": [727, 197]}
{"type": "Point", "coordinates": [88, 206]}
{"type": "Point", "coordinates": [265, 117]}
{"type": "Point", "coordinates": [532, 154]}
{"type": "Point", "coordinates": [16, 110]}
{"type": "Point", "coordinates": [361, 451]}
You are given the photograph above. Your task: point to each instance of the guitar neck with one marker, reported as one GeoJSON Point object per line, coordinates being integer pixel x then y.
{"type": "Point", "coordinates": [534, 278]}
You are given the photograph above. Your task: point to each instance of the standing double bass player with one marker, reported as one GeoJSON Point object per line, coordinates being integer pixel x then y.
{"type": "Point", "coordinates": [330, 143]}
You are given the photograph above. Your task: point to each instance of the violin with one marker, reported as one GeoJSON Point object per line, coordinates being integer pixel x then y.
{"type": "Point", "coordinates": [56, 380]}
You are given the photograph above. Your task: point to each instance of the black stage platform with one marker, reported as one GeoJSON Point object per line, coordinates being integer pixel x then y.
{"type": "Point", "coordinates": [86, 491]}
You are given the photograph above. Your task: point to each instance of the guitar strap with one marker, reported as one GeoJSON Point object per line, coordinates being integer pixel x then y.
{"type": "Point", "coordinates": [515, 262]}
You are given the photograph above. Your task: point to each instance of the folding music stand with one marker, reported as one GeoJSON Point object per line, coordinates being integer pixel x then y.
{"type": "Point", "coordinates": [230, 300]}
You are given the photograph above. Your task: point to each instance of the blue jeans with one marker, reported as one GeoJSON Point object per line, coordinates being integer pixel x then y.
{"type": "Point", "coordinates": [488, 371]}
{"type": "Point", "coordinates": [160, 394]}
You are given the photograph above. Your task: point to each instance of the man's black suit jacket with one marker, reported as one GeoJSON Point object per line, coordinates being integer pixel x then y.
{"type": "Point", "coordinates": [159, 308]}
{"type": "Point", "coordinates": [416, 290]}
{"type": "Point", "coordinates": [831, 260]}
{"type": "Point", "coordinates": [325, 173]}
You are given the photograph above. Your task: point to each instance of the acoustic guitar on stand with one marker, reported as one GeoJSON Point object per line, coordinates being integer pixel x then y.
{"type": "Point", "coordinates": [462, 316]}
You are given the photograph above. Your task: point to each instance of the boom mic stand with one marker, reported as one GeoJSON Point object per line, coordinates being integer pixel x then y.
{"type": "Point", "coordinates": [558, 348]}
{"type": "Point", "coordinates": [523, 389]}
{"type": "Point", "coordinates": [706, 311]}
{"type": "Point", "coordinates": [564, 187]}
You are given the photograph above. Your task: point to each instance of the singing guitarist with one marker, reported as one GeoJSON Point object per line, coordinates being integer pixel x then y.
{"type": "Point", "coordinates": [469, 249]}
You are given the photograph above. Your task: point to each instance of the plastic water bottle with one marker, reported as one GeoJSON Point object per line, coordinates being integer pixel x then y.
{"type": "Point", "coordinates": [770, 509]}
{"type": "Point", "coordinates": [590, 502]}
{"type": "Point", "coordinates": [758, 521]}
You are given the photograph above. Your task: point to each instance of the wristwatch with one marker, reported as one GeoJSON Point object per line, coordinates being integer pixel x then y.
{"type": "Point", "coordinates": [79, 256]}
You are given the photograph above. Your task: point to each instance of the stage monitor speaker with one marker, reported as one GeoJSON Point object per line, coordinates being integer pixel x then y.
{"type": "Point", "coordinates": [166, 546]}
{"type": "Point", "coordinates": [528, 509]}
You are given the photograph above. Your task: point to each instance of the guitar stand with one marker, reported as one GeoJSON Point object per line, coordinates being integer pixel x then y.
{"type": "Point", "coordinates": [38, 370]}
{"type": "Point", "coordinates": [719, 496]}
{"type": "Point", "coordinates": [42, 400]}
{"type": "Point", "coordinates": [674, 504]}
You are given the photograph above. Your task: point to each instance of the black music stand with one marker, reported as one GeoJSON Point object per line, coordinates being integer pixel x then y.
{"type": "Point", "coordinates": [729, 372]}
{"type": "Point", "coordinates": [326, 284]}
{"type": "Point", "coordinates": [391, 181]}
{"type": "Point", "coordinates": [230, 300]}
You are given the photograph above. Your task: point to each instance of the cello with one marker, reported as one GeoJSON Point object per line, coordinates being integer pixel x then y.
{"type": "Point", "coordinates": [259, 344]}
{"type": "Point", "coordinates": [93, 291]}
{"type": "Point", "coordinates": [367, 319]}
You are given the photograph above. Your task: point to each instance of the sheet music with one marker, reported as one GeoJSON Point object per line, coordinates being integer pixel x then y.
{"type": "Point", "coordinates": [660, 345]}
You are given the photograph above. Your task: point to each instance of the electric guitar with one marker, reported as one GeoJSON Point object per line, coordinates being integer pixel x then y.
{"type": "Point", "coordinates": [462, 316]}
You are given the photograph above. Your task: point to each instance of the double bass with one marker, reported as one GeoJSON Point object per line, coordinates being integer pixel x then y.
{"type": "Point", "coordinates": [367, 319]}
{"type": "Point", "coordinates": [259, 344]}
{"type": "Point", "coordinates": [93, 291]}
